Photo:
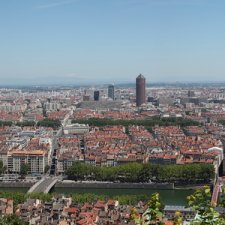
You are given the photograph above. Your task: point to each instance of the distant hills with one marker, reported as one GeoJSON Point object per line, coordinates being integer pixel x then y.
{"type": "Point", "coordinates": [125, 85]}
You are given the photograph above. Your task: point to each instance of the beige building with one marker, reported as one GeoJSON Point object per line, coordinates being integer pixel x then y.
{"type": "Point", "coordinates": [37, 160]}
{"type": "Point", "coordinates": [76, 128]}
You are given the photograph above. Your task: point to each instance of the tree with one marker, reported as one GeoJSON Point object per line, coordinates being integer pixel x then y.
{"type": "Point", "coordinates": [222, 198]}
{"type": "Point", "coordinates": [12, 220]}
{"type": "Point", "coordinates": [200, 199]}
{"type": "Point", "coordinates": [178, 219]}
{"type": "Point", "coordinates": [222, 122]}
{"type": "Point", "coordinates": [5, 123]}
{"type": "Point", "coordinates": [26, 123]}
{"type": "Point", "coordinates": [47, 167]}
{"type": "Point", "coordinates": [138, 172]}
{"type": "Point", "coordinates": [208, 217]}
{"type": "Point", "coordinates": [153, 214]}
{"type": "Point", "coordinates": [18, 197]}
{"type": "Point", "coordinates": [154, 211]}
{"type": "Point", "coordinates": [136, 217]}
{"type": "Point", "coordinates": [24, 168]}
{"type": "Point", "coordinates": [46, 197]}
{"type": "Point", "coordinates": [201, 204]}
{"type": "Point", "coordinates": [2, 169]}
{"type": "Point", "coordinates": [148, 123]}
{"type": "Point", "coordinates": [49, 123]}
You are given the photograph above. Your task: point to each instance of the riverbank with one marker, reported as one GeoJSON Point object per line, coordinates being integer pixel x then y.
{"type": "Point", "coordinates": [16, 184]}
{"type": "Point", "coordinates": [105, 185]}
{"type": "Point", "coordinates": [191, 186]}
{"type": "Point", "coordinates": [100, 185]}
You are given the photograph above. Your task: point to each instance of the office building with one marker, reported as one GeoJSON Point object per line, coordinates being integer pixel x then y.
{"type": "Point", "coordinates": [96, 95]}
{"type": "Point", "coordinates": [111, 91]}
{"type": "Point", "coordinates": [140, 90]}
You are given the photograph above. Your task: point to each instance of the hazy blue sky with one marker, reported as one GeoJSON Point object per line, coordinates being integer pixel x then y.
{"type": "Point", "coordinates": [85, 41]}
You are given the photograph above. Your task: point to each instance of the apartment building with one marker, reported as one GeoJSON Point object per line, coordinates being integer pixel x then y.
{"type": "Point", "coordinates": [76, 129]}
{"type": "Point", "coordinates": [52, 106]}
{"type": "Point", "coordinates": [36, 160]}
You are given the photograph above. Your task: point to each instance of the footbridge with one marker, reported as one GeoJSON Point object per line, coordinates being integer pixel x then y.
{"type": "Point", "coordinates": [44, 185]}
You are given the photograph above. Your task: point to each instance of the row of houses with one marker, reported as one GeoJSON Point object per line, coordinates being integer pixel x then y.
{"type": "Point", "coordinates": [62, 210]}
{"type": "Point", "coordinates": [115, 145]}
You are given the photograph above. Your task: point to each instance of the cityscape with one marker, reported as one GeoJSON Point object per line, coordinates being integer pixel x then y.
{"type": "Point", "coordinates": [112, 112]}
{"type": "Point", "coordinates": [135, 141]}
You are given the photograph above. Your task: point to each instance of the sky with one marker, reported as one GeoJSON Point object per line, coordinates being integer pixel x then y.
{"type": "Point", "coordinates": [111, 41]}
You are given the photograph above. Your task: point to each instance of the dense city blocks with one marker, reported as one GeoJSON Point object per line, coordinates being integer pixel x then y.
{"type": "Point", "coordinates": [171, 138]}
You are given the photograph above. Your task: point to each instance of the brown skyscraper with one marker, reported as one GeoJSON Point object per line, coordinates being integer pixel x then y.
{"type": "Point", "coordinates": [140, 90]}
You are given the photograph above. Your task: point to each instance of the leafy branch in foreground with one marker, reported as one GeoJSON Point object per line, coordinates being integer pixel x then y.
{"type": "Point", "coordinates": [201, 204]}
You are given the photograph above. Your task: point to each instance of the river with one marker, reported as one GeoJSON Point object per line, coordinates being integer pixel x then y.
{"type": "Point", "coordinates": [169, 197]}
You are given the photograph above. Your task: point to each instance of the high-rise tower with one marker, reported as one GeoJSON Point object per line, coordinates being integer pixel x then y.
{"type": "Point", "coordinates": [96, 95]}
{"type": "Point", "coordinates": [111, 91]}
{"type": "Point", "coordinates": [140, 90]}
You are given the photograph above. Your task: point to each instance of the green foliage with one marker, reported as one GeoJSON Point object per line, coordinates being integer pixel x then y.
{"type": "Point", "coordinates": [6, 123]}
{"type": "Point", "coordinates": [221, 122]}
{"type": "Point", "coordinates": [2, 168]}
{"type": "Point", "coordinates": [47, 167]}
{"type": "Point", "coordinates": [141, 122]}
{"type": "Point", "coordinates": [136, 217]}
{"type": "Point", "coordinates": [87, 197]}
{"type": "Point", "coordinates": [18, 197]}
{"type": "Point", "coordinates": [26, 124]}
{"type": "Point", "coordinates": [46, 197]}
{"type": "Point", "coordinates": [153, 214]}
{"type": "Point", "coordinates": [49, 123]}
{"type": "Point", "coordinates": [155, 208]}
{"type": "Point", "coordinates": [123, 199]}
{"type": "Point", "coordinates": [77, 198]}
{"type": "Point", "coordinates": [12, 220]}
{"type": "Point", "coordinates": [137, 172]}
{"type": "Point", "coordinates": [178, 219]}
{"type": "Point", "coordinates": [222, 198]}
{"type": "Point", "coordinates": [44, 113]}
{"type": "Point", "coordinates": [24, 168]}
{"type": "Point", "coordinates": [200, 201]}
{"type": "Point", "coordinates": [208, 216]}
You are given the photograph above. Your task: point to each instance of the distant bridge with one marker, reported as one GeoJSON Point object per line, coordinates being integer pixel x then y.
{"type": "Point", "coordinates": [44, 185]}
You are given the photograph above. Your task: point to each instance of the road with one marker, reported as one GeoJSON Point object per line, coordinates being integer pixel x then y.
{"type": "Point", "coordinates": [53, 158]}
{"type": "Point", "coordinates": [53, 166]}
{"type": "Point", "coordinates": [42, 186]}
{"type": "Point", "coordinates": [47, 181]}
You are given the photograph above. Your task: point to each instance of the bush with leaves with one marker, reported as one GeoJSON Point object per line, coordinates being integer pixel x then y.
{"type": "Point", "coordinates": [153, 214]}
{"type": "Point", "coordinates": [200, 202]}
{"type": "Point", "coordinates": [12, 220]}
{"type": "Point", "coordinates": [178, 218]}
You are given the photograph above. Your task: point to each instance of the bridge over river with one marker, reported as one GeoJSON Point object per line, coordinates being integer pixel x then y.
{"type": "Point", "coordinates": [44, 185]}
